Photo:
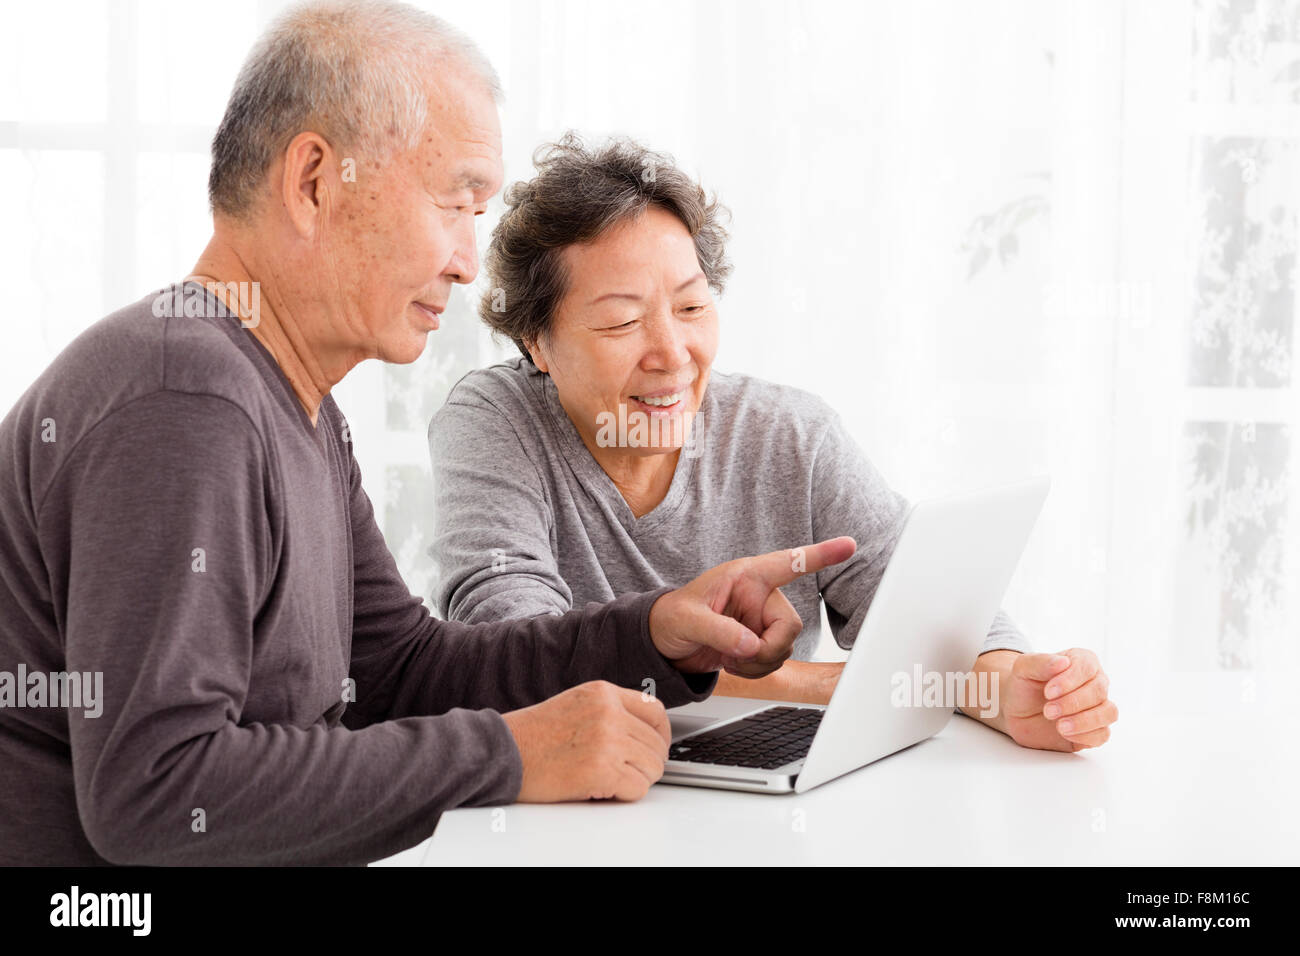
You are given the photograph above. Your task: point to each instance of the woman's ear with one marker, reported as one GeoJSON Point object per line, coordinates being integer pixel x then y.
{"type": "Point", "coordinates": [538, 355]}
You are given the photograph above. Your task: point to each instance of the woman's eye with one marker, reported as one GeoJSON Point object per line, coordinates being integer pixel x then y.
{"type": "Point", "coordinates": [625, 325]}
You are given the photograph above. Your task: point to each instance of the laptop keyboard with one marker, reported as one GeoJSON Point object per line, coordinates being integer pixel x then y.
{"type": "Point", "coordinates": [766, 740]}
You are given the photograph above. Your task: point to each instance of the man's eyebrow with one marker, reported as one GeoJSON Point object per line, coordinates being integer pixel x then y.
{"type": "Point", "coordinates": [636, 298]}
{"type": "Point", "coordinates": [469, 180]}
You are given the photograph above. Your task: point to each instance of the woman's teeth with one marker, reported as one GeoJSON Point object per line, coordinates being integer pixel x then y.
{"type": "Point", "coordinates": [662, 401]}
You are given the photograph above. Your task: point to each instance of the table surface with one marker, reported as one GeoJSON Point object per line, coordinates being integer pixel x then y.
{"type": "Point", "coordinates": [1167, 789]}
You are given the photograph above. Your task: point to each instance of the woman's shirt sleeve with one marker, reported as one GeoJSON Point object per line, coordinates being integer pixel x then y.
{"type": "Point", "coordinates": [493, 527]}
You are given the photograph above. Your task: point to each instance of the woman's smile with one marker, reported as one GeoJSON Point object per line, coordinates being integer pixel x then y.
{"type": "Point", "coordinates": [662, 401]}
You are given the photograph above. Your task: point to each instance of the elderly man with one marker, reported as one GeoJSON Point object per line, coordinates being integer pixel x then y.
{"type": "Point", "coordinates": [188, 541]}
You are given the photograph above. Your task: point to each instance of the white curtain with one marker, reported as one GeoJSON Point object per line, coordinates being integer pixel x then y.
{"type": "Point", "coordinates": [1003, 238]}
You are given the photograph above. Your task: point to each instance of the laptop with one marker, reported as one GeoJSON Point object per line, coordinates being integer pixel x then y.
{"type": "Point", "coordinates": [931, 613]}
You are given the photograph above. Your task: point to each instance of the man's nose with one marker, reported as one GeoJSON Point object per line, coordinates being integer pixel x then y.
{"type": "Point", "coordinates": [463, 267]}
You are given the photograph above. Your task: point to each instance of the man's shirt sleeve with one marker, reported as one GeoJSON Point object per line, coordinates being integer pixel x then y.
{"type": "Point", "coordinates": [170, 772]}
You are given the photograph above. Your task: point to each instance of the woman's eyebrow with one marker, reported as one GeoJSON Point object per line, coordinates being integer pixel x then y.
{"type": "Point", "coordinates": [637, 298]}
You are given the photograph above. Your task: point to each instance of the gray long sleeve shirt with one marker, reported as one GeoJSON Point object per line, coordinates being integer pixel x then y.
{"type": "Point", "coordinates": [271, 691]}
{"type": "Point", "coordinates": [526, 522]}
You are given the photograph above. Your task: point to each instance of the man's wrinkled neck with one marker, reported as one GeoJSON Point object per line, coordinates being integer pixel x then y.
{"type": "Point", "coordinates": [287, 327]}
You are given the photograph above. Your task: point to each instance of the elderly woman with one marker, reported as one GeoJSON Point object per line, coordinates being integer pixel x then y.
{"type": "Point", "coordinates": [610, 457]}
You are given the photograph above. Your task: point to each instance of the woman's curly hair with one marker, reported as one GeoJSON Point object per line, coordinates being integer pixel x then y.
{"type": "Point", "coordinates": [577, 194]}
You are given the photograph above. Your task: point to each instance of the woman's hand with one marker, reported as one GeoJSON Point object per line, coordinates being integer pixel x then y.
{"type": "Point", "coordinates": [1058, 701]}
{"type": "Point", "coordinates": [801, 682]}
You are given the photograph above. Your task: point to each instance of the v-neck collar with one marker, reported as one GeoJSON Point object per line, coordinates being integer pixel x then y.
{"type": "Point", "coordinates": [595, 479]}
{"type": "Point", "coordinates": [270, 368]}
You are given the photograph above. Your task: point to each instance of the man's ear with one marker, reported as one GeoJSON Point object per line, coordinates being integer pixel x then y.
{"type": "Point", "coordinates": [537, 354]}
{"type": "Point", "coordinates": [304, 187]}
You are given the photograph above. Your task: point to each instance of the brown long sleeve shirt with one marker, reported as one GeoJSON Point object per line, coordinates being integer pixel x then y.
{"type": "Point", "coordinates": [174, 528]}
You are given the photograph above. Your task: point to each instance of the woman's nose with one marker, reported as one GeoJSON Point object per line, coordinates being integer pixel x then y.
{"type": "Point", "coordinates": [667, 345]}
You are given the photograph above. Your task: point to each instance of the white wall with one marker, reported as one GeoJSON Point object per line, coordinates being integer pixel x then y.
{"type": "Point", "coordinates": [1138, 156]}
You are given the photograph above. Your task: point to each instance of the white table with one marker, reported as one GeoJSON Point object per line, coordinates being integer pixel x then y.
{"type": "Point", "coordinates": [1167, 789]}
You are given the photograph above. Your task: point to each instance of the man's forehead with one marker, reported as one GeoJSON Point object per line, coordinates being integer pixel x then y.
{"type": "Point", "coordinates": [462, 140]}
{"type": "Point", "coordinates": [460, 102]}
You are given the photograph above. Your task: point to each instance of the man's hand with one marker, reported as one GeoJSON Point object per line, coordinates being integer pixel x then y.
{"type": "Point", "coordinates": [591, 742]}
{"type": "Point", "coordinates": [1058, 701]}
{"type": "Point", "coordinates": [596, 740]}
{"type": "Point", "coordinates": [734, 617]}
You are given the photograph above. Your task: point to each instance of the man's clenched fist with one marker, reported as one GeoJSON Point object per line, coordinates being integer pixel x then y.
{"type": "Point", "coordinates": [591, 742]}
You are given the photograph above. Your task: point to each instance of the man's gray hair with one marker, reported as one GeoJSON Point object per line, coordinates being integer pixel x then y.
{"type": "Point", "coordinates": [355, 71]}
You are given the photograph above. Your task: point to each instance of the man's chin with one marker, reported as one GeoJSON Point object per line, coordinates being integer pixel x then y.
{"type": "Point", "coordinates": [407, 350]}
